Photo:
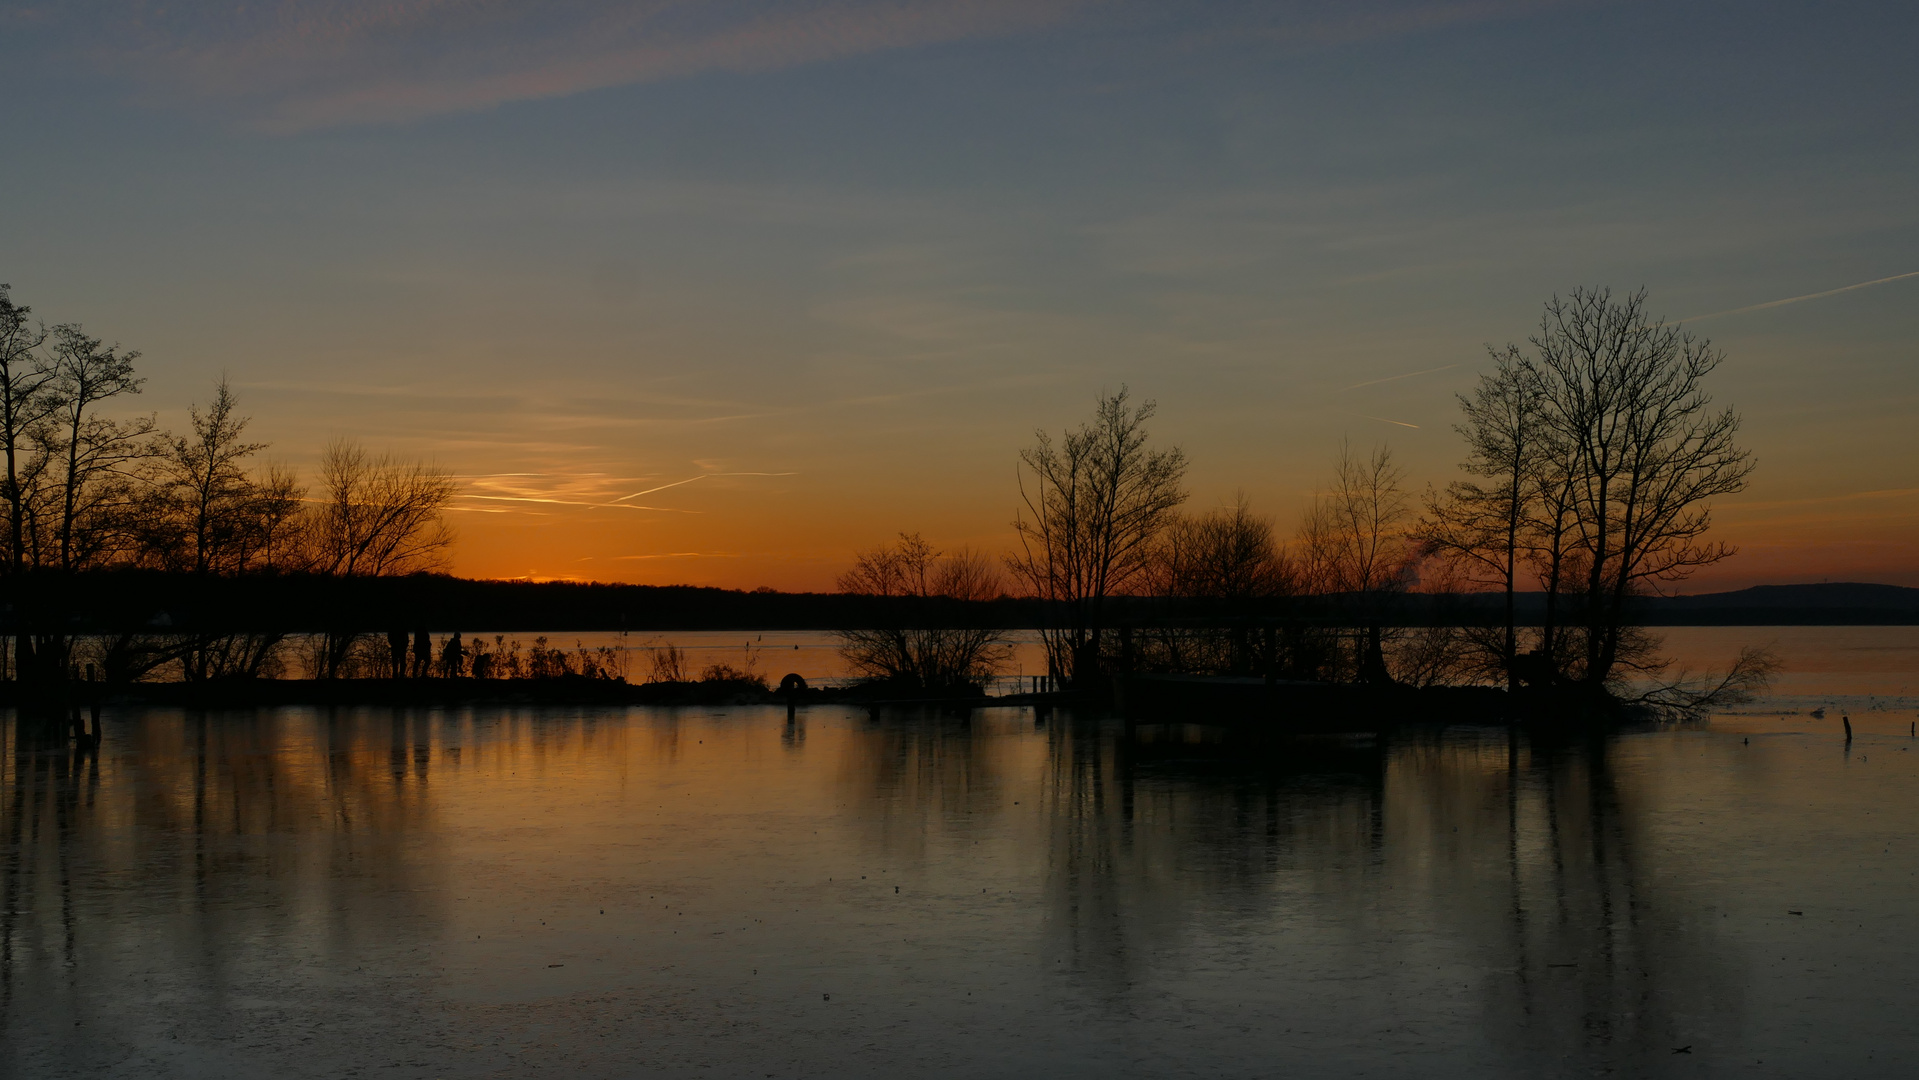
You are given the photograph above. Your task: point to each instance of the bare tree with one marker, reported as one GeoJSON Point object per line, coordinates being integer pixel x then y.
{"type": "Point", "coordinates": [73, 490]}
{"type": "Point", "coordinates": [1483, 525]}
{"type": "Point", "coordinates": [24, 405]}
{"type": "Point", "coordinates": [216, 516]}
{"type": "Point", "coordinates": [1227, 562]}
{"type": "Point", "coordinates": [206, 478]}
{"type": "Point", "coordinates": [1358, 528]}
{"type": "Point", "coordinates": [96, 455]}
{"type": "Point", "coordinates": [24, 374]}
{"type": "Point", "coordinates": [1229, 553]}
{"type": "Point", "coordinates": [1092, 506]}
{"type": "Point", "coordinates": [1357, 545]}
{"type": "Point", "coordinates": [204, 513]}
{"type": "Point", "coordinates": [1647, 454]}
{"type": "Point", "coordinates": [1603, 453]}
{"type": "Point", "coordinates": [918, 643]}
{"type": "Point", "coordinates": [278, 520]}
{"type": "Point", "coordinates": [378, 516]}
{"type": "Point", "coordinates": [1552, 547]}
{"type": "Point", "coordinates": [1448, 648]}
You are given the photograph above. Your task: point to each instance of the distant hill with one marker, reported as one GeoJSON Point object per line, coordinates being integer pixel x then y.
{"type": "Point", "coordinates": [1820, 604]}
{"type": "Point", "coordinates": [1837, 594]}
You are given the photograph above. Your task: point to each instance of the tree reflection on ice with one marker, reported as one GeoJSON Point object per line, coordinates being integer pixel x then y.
{"type": "Point", "coordinates": [302, 891]}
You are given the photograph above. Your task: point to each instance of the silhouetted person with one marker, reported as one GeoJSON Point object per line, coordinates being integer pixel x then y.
{"type": "Point", "coordinates": [452, 658]}
{"type": "Point", "coordinates": [422, 654]}
{"type": "Point", "coordinates": [396, 645]}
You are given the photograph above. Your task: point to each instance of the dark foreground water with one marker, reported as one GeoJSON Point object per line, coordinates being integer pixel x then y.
{"type": "Point", "coordinates": [497, 892]}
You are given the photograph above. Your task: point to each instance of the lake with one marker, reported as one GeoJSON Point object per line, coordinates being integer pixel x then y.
{"type": "Point", "coordinates": [721, 892]}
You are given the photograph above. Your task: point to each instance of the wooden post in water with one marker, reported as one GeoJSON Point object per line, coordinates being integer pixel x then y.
{"type": "Point", "coordinates": [1847, 720]}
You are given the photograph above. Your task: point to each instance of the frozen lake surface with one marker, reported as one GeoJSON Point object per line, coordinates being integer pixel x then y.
{"type": "Point", "coordinates": [717, 892]}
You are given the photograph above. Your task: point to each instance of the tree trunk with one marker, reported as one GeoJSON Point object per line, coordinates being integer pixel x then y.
{"type": "Point", "coordinates": [1372, 664]}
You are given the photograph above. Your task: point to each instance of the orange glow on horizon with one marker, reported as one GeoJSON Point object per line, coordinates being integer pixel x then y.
{"type": "Point", "coordinates": [802, 542]}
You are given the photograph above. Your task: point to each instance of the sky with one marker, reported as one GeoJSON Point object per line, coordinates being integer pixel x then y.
{"type": "Point", "coordinates": [721, 291]}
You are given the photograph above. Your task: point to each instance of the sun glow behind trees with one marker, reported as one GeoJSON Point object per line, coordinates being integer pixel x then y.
{"type": "Point", "coordinates": [1594, 464]}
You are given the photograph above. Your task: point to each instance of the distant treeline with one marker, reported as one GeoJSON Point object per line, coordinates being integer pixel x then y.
{"type": "Point", "coordinates": [133, 601]}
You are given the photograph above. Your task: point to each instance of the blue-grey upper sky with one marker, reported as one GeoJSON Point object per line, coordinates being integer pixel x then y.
{"type": "Point", "coordinates": [833, 262]}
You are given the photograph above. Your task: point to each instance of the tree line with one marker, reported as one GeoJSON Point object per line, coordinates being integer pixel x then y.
{"type": "Point", "coordinates": [1591, 462]}
{"type": "Point", "coordinates": [88, 487]}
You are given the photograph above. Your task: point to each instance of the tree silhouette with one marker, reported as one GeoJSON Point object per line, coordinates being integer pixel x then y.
{"type": "Point", "coordinates": [1648, 454]}
{"type": "Point", "coordinates": [1092, 505]}
{"type": "Point", "coordinates": [918, 645]}
{"type": "Point", "coordinates": [1486, 525]}
{"type": "Point", "coordinates": [1602, 453]}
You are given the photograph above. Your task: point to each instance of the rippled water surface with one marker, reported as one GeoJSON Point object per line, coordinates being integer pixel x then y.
{"type": "Point", "coordinates": [722, 892]}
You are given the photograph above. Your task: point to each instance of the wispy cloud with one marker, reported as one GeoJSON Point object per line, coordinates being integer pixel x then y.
{"type": "Point", "coordinates": [1339, 22]}
{"type": "Point", "coordinates": [529, 492]}
{"type": "Point", "coordinates": [301, 66]}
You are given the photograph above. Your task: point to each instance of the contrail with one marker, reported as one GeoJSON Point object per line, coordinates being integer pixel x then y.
{"type": "Point", "coordinates": [682, 555]}
{"type": "Point", "coordinates": [1383, 420]}
{"type": "Point", "coordinates": [662, 487]}
{"type": "Point", "coordinates": [1796, 299]}
{"type": "Point", "coordinates": [614, 505]}
{"type": "Point", "coordinates": [690, 479]}
{"type": "Point", "coordinates": [1396, 378]}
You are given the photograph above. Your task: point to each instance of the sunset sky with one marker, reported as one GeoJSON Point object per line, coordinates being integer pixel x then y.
{"type": "Point", "coordinates": [717, 291]}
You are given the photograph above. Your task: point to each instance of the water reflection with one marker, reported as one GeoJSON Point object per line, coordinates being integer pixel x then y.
{"type": "Point", "coordinates": [1533, 853]}
{"type": "Point", "coordinates": [1147, 840]}
{"type": "Point", "coordinates": [1503, 904]}
{"type": "Point", "coordinates": [1524, 854]}
{"type": "Point", "coordinates": [178, 851]}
